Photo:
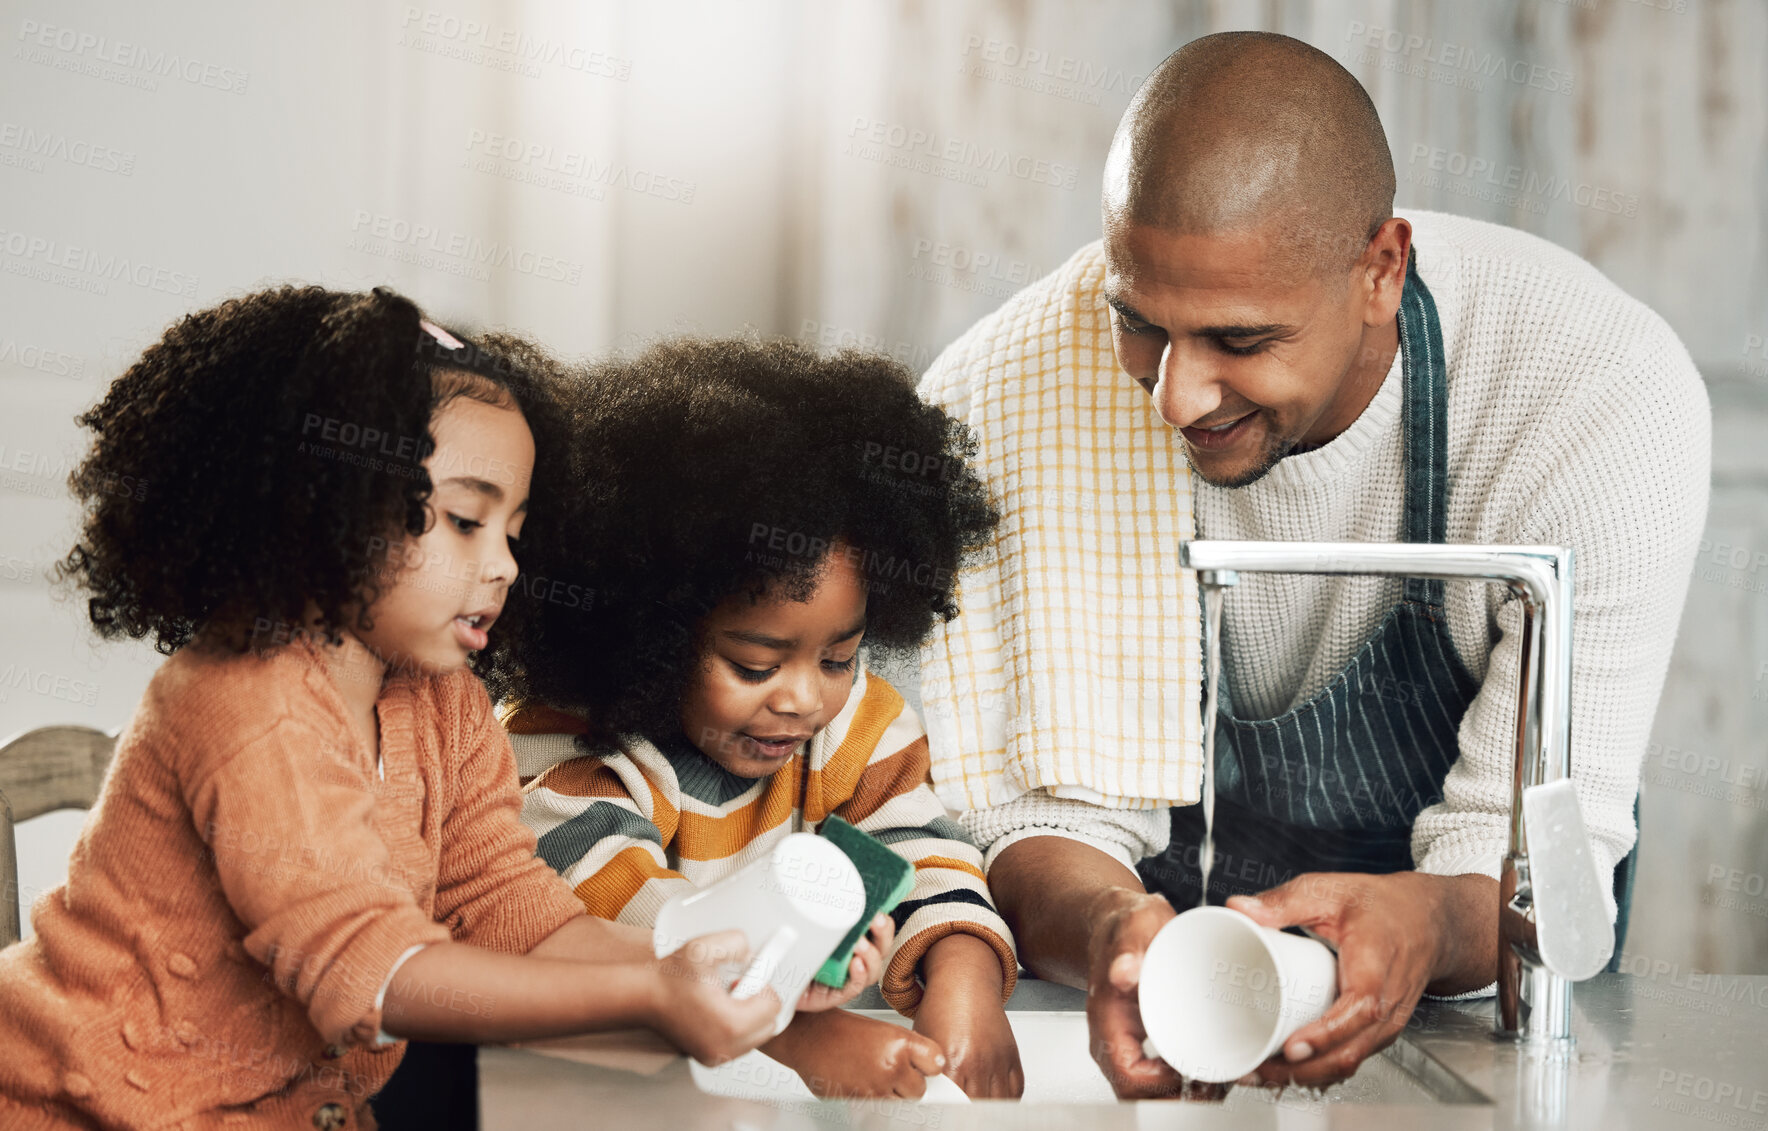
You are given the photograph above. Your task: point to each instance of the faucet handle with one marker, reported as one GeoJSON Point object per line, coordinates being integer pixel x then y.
{"type": "Point", "coordinates": [1573, 934]}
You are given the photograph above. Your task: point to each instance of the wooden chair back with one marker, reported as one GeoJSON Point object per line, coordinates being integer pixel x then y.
{"type": "Point", "coordinates": [54, 767]}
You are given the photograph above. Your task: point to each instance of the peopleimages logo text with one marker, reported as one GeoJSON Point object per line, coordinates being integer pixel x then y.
{"type": "Point", "coordinates": [88, 265]}
{"type": "Point", "coordinates": [131, 57]}
{"type": "Point", "coordinates": [1475, 169]}
{"type": "Point", "coordinates": [1460, 57]}
{"type": "Point", "coordinates": [466, 249]}
{"type": "Point", "coordinates": [958, 153]}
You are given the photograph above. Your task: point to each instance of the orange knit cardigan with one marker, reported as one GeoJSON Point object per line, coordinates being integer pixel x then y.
{"type": "Point", "coordinates": [242, 888]}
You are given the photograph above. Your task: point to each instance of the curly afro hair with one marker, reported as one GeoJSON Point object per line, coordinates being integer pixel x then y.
{"type": "Point", "coordinates": [265, 453]}
{"type": "Point", "coordinates": [706, 469]}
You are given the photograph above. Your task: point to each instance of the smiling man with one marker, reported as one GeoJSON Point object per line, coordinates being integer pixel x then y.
{"type": "Point", "coordinates": [1341, 373]}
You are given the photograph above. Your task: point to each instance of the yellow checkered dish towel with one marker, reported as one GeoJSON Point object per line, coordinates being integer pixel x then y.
{"type": "Point", "coordinates": [1075, 665]}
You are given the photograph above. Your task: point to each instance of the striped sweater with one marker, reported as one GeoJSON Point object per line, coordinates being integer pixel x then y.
{"type": "Point", "coordinates": [628, 830]}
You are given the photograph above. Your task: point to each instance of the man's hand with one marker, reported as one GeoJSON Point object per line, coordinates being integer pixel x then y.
{"type": "Point", "coordinates": [1124, 923]}
{"type": "Point", "coordinates": [1397, 936]}
{"type": "Point", "coordinates": [862, 971]}
{"type": "Point", "coordinates": [962, 1012]}
{"type": "Point", "coordinates": [1083, 919]}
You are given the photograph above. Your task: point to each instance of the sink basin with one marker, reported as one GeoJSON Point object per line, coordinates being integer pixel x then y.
{"type": "Point", "coordinates": [1058, 1069]}
{"type": "Point", "coordinates": [1648, 1059]}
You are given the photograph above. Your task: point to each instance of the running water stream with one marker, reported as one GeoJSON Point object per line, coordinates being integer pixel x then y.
{"type": "Point", "coordinates": [1212, 669]}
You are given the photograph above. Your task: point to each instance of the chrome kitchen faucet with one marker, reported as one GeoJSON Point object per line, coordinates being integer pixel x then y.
{"type": "Point", "coordinates": [1553, 927]}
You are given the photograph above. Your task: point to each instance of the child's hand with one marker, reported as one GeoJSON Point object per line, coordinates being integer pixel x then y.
{"type": "Point", "coordinates": [984, 1057]}
{"type": "Point", "coordinates": [841, 1055]}
{"type": "Point", "coordinates": [692, 1005]}
{"type": "Point", "coordinates": [962, 1010]}
{"type": "Point", "coordinates": [866, 967]}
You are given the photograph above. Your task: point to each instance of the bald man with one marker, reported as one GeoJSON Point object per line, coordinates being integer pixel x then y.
{"type": "Point", "coordinates": [1340, 373]}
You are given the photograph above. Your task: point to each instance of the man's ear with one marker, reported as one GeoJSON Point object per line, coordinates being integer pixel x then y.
{"type": "Point", "coordinates": [1382, 270]}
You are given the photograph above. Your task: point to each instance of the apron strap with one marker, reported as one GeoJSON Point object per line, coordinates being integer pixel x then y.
{"type": "Point", "coordinates": [1425, 384]}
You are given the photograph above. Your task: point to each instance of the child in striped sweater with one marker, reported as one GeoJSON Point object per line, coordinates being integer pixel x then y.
{"type": "Point", "coordinates": [748, 515]}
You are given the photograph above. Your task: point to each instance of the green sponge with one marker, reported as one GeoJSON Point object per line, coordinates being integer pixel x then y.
{"type": "Point", "coordinates": [888, 877]}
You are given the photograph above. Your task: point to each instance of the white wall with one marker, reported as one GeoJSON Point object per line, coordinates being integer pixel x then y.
{"type": "Point", "coordinates": [777, 211]}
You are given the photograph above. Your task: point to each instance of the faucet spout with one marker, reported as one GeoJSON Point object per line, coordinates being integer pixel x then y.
{"type": "Point", "coordinates": [1553, 926]}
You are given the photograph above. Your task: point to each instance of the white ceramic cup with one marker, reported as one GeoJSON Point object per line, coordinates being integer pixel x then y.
{"type": "Point", "coordinates": [1220, 994]}
{"type": "Point", "coordinates": [793, 905]}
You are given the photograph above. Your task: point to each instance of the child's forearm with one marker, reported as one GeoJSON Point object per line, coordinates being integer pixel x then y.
{"type": "Point", "coordinates": [588, 938]}
{"type": "Point", "coordinates": [963, 1012]}
{"type": "Point", "coordinates": [961, 959]}
{"type": "Point", "coordinates": [457, 992]}
{"type": "Point", "coordinates": [786, 1046]}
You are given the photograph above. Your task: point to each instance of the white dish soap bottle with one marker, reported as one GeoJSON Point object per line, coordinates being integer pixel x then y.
{"type": "Point", "coordinates": [793, 905]}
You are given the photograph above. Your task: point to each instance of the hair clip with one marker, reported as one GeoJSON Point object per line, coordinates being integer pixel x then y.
{"type": "Point", "coordinates": [448, 340]}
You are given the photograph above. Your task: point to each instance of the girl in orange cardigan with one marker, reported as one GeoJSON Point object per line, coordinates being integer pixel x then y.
{"type": "Point", "coordinates": [307, 848]}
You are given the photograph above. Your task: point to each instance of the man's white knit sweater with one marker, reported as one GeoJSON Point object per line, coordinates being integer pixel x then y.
{"type": "Point", "coordinates": [1576, 418]}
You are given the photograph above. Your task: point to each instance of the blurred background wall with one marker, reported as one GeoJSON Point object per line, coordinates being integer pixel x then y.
{"type": "Point", "coordinates": [850, 174]}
